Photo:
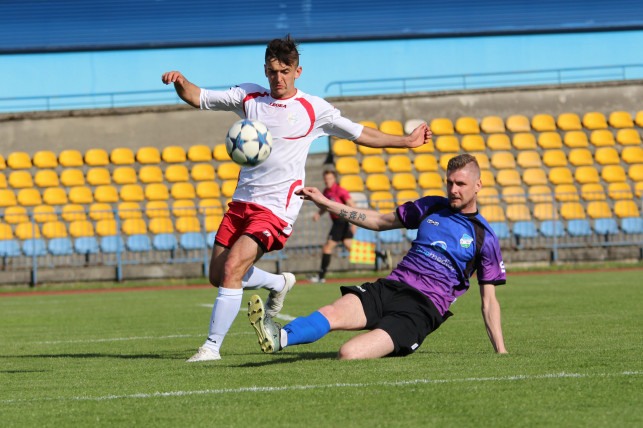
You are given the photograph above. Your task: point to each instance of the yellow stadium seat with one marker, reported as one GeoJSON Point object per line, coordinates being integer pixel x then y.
{"type": "Point", "coordinates": [347, 165]}
{"type": "Point", "coordinates": [199, 153]}
{"type": "Point", "coordinates": [396, 151]}
{"type": "Point", "coordinates": [154, 209]}
{"type": "Point", "coordinates": [586, 174]}
{"type": "Point", "coordinates": [635, 172]}
{"type": "Point", "coordinates": [540, 193]}
{"type": "Point", "coordinates": [508, 177]}
{"type": "Point", "coordinates": [45, 159]}
{"type": "Point", "coordinates": [368, 151]}
{"type": "Point", "coordinates": [382, 201]}
{"type": "Point", "coordinates": [638, 189]}
{"type": "Point", "coordinates": [73, 212]}
{"type": "Point", "coordinates": [19, 160]}
{"type": "Point", "coordinates": [575, 139]}
{"type": "Point", "coordinates": [473, 143]}
{"type": "Point", "coordinates": [203, 172]}
{"type": "Point", "coordinates": [373, 165]}
{"type": "Point", "coordinates": [488, 195]}
{"type": "Point", "coordinates": [343, 147]}
{"type": "Point", "coordinates": [632, 155]}
{"type": "Point", "coordinates": [132, 193]}
{"type": "Point", "coordinates": [393, 127]}
{"type": "Point", "coordinates": [444, 160]}
{"type": "Point", "coordinates": [228, 188]}
{"type": "Point", "coordinates": [613, 174]}
{"type": "Point", "coordinates": [151, 155]}
{"type": "Point", "coordinates": [81, 228]}
{"type": "Point", "coordinates": [524, 141]}
{"type": "Point", "coordinates": [101, 211]}
{"type": "Point", "coordinates": [106, 193]}
{"type": "Point", "coordinates": [483, 160]}
{"type": "Point", "coordinates": [487, 178]}
{"type": "Point", "coordinates": [352, 183]}
{"type": "Point", "coordinates": [98, 176]}
{"type": "Point", "coordinates": [621, 119]}
{"type": "Point", "coordinates": [623, 209]}
{"type": "Point", "coordinates": [569, 122]}
{"type": "Point", "coordinates": [29, 197]}
{"type": "Point", "coordinates": [106, 227]}
{"type": "Point", "coordinates": [431, 180]}
{"type": "Point", "coordinates": [534, 176]}
{"type": "Point", "coordinates": [46, 178]}
{"type": "Point", "coordinates": [399, 163]}
{"type": "Point", "coordinates": [210, 207]}
{"type": "Point", "coordinates": [492, 125]}
{"type": "Point", "coordinates": [134, 226]}
{"type": "Point", "coordinates": [81, 195]}
{"type": "Point", "coordinates": [425, 162]}
{"type": "Point", "coordinates": [607, 156]}
{"type": "Point", "coordinates": [96, 157]}
{"type": "Point", "coordinates": [16, 214]}
{"type": "Point", "coordinates": [150, 174]}
{"type": "Point", "coordinates": [378, 182]}
{"type": "Point", "coordinates": [125, 175]}
{"type": "Point", "coordinates": [602, 137]}
{"type": "Point", "coordinates": [498, 142]}
{"type": "Point", "coordinates": [5, 231]}
{"type": "Point", "coordinates": [54, 196]}
{"type": "Point", "coordinates": [27, 230]}
{"type": "Point", "coordinates": [177, 173]}
{"type": "Point", "coordinates": [129, 210]}
{"type": "Point", "coordinates": [156, 192]}
{"type": "Point", "coordinates": [572, 211]}
{"type": "Point", "coordinates": [529, 159]}
{"type": "Point", "coordinates": [70, 158]}
{"type": "Point", "coordinates": [447, 143]}
{"type": "Point", "coordinates": [228, 171]}
{"type": "Point", "coordinates": [442, 126]}
{"type": "Point", "coordinates": [44, 213]}
{"type": "Point", "coordinates": [619, 191]}
{"type": "Point", "coordinates": [594, 120]}
{"type": "Point", "coordinates": [518, 123]}
{"type": "Point", "coordinates": [187, 224]}
{"type": "Point", "coordinates": [220, 153]}
{"type": "Point", "coordinates": [639, 119]}
{"type": "Point", "coordinates": [183, 207]}
{"type": "Point", "coordinates": [581, 157]}
{"type": "Point", "coordinates": [54, 229]}
{"type": "Point", "coordinates": [514, 195]}
{"type": "Point", "coordinates": [3, 165]}
{"type": "Point", "coordinates": [518, 212]}
{"type": "Point", "coordinates": [566, 193]}
{"type": "Point", "coordinates": [435, 192]}
{"type": "Point", "coordinates": [552, 158]}
{"type": "Point", "coordinates": [545, 211]}
{"type": "Point", "coordinates": [122, 156]}
{"type": "Point", "coordinates": [550, 140]}
{"type": "Point", "coordinates": [404, 181]}
{"type": "Point", "coordinates": [599, 209]}
{"type": "Point", "coordinates": [467, 125]}
{"type": "Point", "coordinates": [560, 175]}
{"type": "Point", "coordinates": [493, 213]}
{"type": "Point", "coordinates": [173, 154]}
{"type": "Point", "coordinates": [208, 189]}
{"type": "Point", "coordinates": [20, 180]}
{"type": "Point", "coordinates": [503, 160]}
{"type": "Point", "coordinates": [424, 148]}
{"type": "Point", "coordinates": [406, 195]}
{"type": "Point", "coordinates": [628, 137]}
{"type": "Point", "coordinates": [543, 123]}
{"type": "Point", "coordinates": [3, 181]}
{"type": "Point", "coordinates": [183, 190]}
{"type": "Point", "coordinates": [592, 192]}
{"type": "Point", "coordinates": [212, 222]}
{"type": "Point", "coordinates": [161, 225]}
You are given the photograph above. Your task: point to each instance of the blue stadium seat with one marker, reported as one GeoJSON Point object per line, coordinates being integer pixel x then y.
{"type": "Point", "coordinates": [33, 247]}
{"type": "Point", "coordinates": [606, 226]}
{"type": "Point", "coordinates": [630, 225]}
{"type": "Point", "coordinates": [112, 244]}
{"type": "Point", "coordinates": [411, 234]}
{"type": "Point", "coordinates": [393, 236]}
{"type": "Point", "coordinates": [139, 243]}
{"type": "Point", "coordinates": [210, 238]}
{"type": "Point", "coordinates": [501, 229]}
{"type": "Point", "coordinates": [192, 241]}
{"type": "Point", "coordinates": [551, 228]}
{"type": "Point", "coordinates": [9, 248]}
{"type": "Point", "coordinates": [579, 227]}
{"type": "Point", "coordinates": [365, 235]}
{"type": "Point", "coordinates": [86, 245]}
{"type": "Point", "coordinates": [525, 229]}
{"type": "Point", "coordinates": [60, 246]}
{"type": "Point", "coordinates": [164, 242]}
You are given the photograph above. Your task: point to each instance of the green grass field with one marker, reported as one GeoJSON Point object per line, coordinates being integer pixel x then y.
{"type": "Point", "coordinates": [118, 358]}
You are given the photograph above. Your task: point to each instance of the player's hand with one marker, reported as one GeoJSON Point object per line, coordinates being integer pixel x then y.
{"type": "Point", "coordinates": [420, 135]}
{"type": "Point", "coordinates": [312, 194]}
{"type": "Point", "coordinates": [316, 217]}
{"type": "Point", "coordinates": [173, 77]}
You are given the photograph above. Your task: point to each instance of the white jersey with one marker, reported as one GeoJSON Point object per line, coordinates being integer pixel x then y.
{"type": "Point", "coordinates": [294, 124]}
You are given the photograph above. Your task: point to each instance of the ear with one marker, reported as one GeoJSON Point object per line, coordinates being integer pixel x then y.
{"type": "Point", "coordinates": [298, 72]}
{"type": "Point", "coordinates": [265, 69]}
{"type": "Point", "coordinates": [478, 185]}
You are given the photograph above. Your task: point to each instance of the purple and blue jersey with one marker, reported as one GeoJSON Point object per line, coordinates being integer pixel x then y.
{"type": "Point", "coordinates": [449, 247]}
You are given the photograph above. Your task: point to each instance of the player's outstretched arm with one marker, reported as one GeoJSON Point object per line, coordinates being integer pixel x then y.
{"type": "Point", "coordinates": [188, 92]}
{"type": "Point", "coordinates": [491, 315]}
{"type": "Point", "coordinates": [375, 138]}
{"type": "Point", "coordinates": [367, 219]}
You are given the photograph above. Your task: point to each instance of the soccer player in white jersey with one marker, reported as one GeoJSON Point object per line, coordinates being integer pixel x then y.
{"type": "Point", "coordinates": [264, 207]}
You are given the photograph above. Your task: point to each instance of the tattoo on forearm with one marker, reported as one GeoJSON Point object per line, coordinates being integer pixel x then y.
{"type": "Point", "coordinates": [343, 213]}
{"type": "Point", "coordinates": [352, 215]}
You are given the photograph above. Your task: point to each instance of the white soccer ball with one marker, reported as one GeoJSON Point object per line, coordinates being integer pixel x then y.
{"type": "Point", "coordinates": [248, 142]}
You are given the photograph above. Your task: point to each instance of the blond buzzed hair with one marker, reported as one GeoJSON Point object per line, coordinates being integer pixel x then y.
{"type": "Point", "coordinates": [461, 161]}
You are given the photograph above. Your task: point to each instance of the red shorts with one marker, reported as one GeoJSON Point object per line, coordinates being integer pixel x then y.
{"type": "Point", "coordinates": [259, 223]}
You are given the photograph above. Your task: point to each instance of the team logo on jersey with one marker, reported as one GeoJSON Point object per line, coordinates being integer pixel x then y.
{"type": "Point", "coordinates": [465, 241]}
{"type": "Point", "coordinates": [267, 233]}
{"type": "Point", "coordinates": [502, 266]}
{"type": "Point", "coordinates": [293, 119]}
{"type": "Point", "coordinates": [433, 222]}
{"type": "Point", "coordinates": [439, 246]}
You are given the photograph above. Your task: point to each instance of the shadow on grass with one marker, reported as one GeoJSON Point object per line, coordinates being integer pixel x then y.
{"type": "Point", "coordinates": [103, 355]}
{"type": "Point", "coordinates": [292, 358]}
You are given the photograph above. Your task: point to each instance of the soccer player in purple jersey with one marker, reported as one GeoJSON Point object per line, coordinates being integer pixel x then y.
{"type": "Point", "coordinates": [399, 311]}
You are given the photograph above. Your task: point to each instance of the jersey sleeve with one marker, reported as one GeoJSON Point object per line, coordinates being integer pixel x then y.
{"type": "Point", "coordinates": [229, 100]}
{"type": "Point", "coordinates": [491, 269]}
{"type": "Point", "coordinates": [331, 121]}
{"type": "Point", "coordinates": [411, 213]}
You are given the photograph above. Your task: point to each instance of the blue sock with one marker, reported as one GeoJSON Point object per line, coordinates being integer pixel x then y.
{"type": "Point", "coordinates": [307, 329]}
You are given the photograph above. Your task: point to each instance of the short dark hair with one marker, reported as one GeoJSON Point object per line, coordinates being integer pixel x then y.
{"type": "Point", "coordinates": [283, 50]}
{"type": "Point", "coordinates": [460, 161]}
{"type": "Point", "coordinates": [330, 171]}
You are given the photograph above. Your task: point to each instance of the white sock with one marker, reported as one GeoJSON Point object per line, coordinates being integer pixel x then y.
{"type": "Point", "coordinates": [257, 278]}
{"type": "Point", "coordinates": [284, 338]}
{"type": "Point", "coordinates": [225, 310]}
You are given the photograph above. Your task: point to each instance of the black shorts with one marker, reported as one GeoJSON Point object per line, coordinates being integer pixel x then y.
{"type": "Point", "coordinates": [407, 315]}
{"type": "Point", "coordinates": [340, 230]}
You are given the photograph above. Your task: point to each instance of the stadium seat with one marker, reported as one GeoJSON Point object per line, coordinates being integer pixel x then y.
{"type": "Point", "coordinates": [628, 137]}
{"type": "Point", "coordinates": [575, 139]}
{"type": "Point", "coordinates": [164, 242]}
{"type": "Point", "coordinates": [411, 124]}
{"type": "Point", "coordinates": [382, 201]}
{"type": "Point", "coordinates": [122, 156]}
{"type": "Point", "coordinates": [44, 213]}
{"type": "Point", "coordinates": [430, 180]}
{"type": "Point", "coordinates": [391, 236]}
{"type": "Point", "coordinates": [228, 188]}
{"type": "Point", "coordinates": [132, 193]}
{"type": "Point", "coordinates": [518, 212]}
{"type": "Point", "coordinates": [473, 143]}
{"type": "Point", "coordinates": [155, 209]}
{"type": "Point", "coordinates": [210, 207]}
{"type": "Point", "coordinates": [545, 211]}
{"type": "Point", "coordinates": [184, 190]}
{"type": "Point", "coordinates": [534, 176]}
{"type": "Point", "coordinates": [343, 147]}
{"type": "Point", "coordinates": [228, 171]}
{"type": "Point", "coordinates": [425, 162]}
{"type": "Point", "coordinates": [508, 177]}
{"type": "Point", "coordinates": [498, 142]}
{"type": "Point", "coordinates": [569, 122]}
{"type": "Point", "coordinates": [352, 183]}
{"type": "Point", "coordinates": [579, 227]}
{"type": "Point", "coordinates": [133, 226]}
{"type": "Point", "coordinates": [398, 163]}
{"type": "Point", "coordinates": [187, 224]}
{"type": "Point", "coordinates": [553, 158]}
{"type": "Point", "coordinates": [630, 225]}
{"type": "Point", "coordinates": [501, 229]}
{"type": "Point", "coordinates": [393, 127]}
{"type": "Point", "coordinates": [347, 165]}
{"type": "Point", "coordinates": [503, 160]}
{"type": "Point", "coordinates": [566, 193]}
{"type": "Point", "coordinates": [638, 119]}
{"type": "Point", "coordinates": [378, 182]}
{"type": "Point", "coordinates": [159, 225]}
{"type": "Point", "coordinates": [493, 213]}
{"type": "Point", "coordinates": [210, 238]}
{"type": "Point", "coordinates": [632, 155]}
{"type": "Point", "coordinates": [34, 247]}
{"type": "Point", "coordinates": [572, 210]}
{"type": "Point", "coordinates": [406, 195]}
{"type": "Point", "coordinates": [177, 173]}
{"type": "Point", "coordinates": [488, 195]}
{"type": "Point", "coordinates": [360, 199]}
{"type": "Point", "coordinates": [101, 211]}
{"type": "Point", "coordinates": [203, 172]}
{"type": "Point", "coordinates": [602, 138]}
{"type": "Point", "coordinates": [550, 140]}
{"type": "Point", "coordinates": [81, 195]}
{"type": "Point", "coordinates": [638, 189]}
{"type": "Point", "coordinates": [5, 232]}
{"type": "Point", "coordinates": [529, 159]}
{"type": "Point", "coordinates": [46, 178]}
{"type": "Point", "coordinates": [586, 174]}
{"type": "Point", "coordinates": [150, 155]}
{"type": "Point", "coordinates": [107, 194]}
{"type": "Point", "coordinates": [467, 125]}
{"type": "Point", "coordinates": [594, 120]}
{"type": "Point", "coordinates": [60, 246]}
{"type": "Point", "coordinates": [19, 160]}
{"type": "Point", "coordinates": [150, 174]}
{"type": "Point", "coordinates": [369, 151]}
{"type": "Point", "coordinates": [514, 195]}
{"type": "Point", "coordinates": [173, 154]}
{"type": "Point", "coordinates": [551, 228]}
{"type": "Point", "coordinates": [208, 189]}
{"type": "Point", "coordinates": [16, 214]}
{"type": "Point", "coordinates": [86, 245]}
{"type": "Point", "coordinates": [7, 198]}
{"type": "Point", "coordinates": [635, 172]}
{"type": "Point", "coordinates": [73, 212]}
{"type": "Point", "coordinates": [45, 159]}
{"type": "Point", "coordinates": [607, 156]}
{"type": "Point", "coordinates": [72, 177]}
{"type": "Point", "coordinates": [106, 227]}
{"type": "Point", "coordinates": [156, 192]}
{"type": "Point", "coordinates": [543, 123]}
{"type": "Point", "coordinates": [411, 234]}
{"type": "Point", "coordinates": [518, 123]}
{"type": "Point", "coordinates": [112, 244]}
{"type": "Point", "coordinates": [447, 144]}
{"type": "Point", "coordinates": [98, 176]}
{"type": "Point", "coordinates": [539, 193]}
{"type": "Point", "coordinates": [442, 126]}
{"type": "Point", "coordinates": [54, 229]}
{"type": "Point", "coordinates": [524, 141]}
{"type": "Point", "coordinates": [20, 180]}
{"type": "Point", "coordinates": [199, 153]}
{"type": "Point", "coordinates": [618, 191]}
{"type": "Point", "coordinates": [487, 178]}
{"type": "Point", "coordinates": [621, 119]}
{"type": "Point", "coordinates": [54, 196]}
{"type": "Point", "coordinates": [27, 230]}
{"type": "Point", "coordinates": [404, 181]}
{"type": "Point", "coordinates": [70, 158]}
{"type": "Point", "coordinates": [220, 153]}
{"type": "Point", "coordinates": [129, 209]}
{"type": "Point", "coordinates": [192, 241]}
{"type": "Point", "coordinates": [3, 164]}
{"type": "Point", "coordinates": [623, 209]}
{"type": "Point", "coordinates": [483, 160]}
{"type": "Point", "coordinates": [424, 148]}
{"type": "Point", "coordinates": [492, 125]}
{"type": "Point", "coordinates": [592, 192]}
{"type": "Point", "coordinates": [598, 209]}
{"type": "Point", "coordinates": [29, 197]}
{"type": "Point", "coordinates": [524, 229]}
{"type": "Point", "coordinates": [3, 181]}
{"type": "Point", "coordinates": [138, 243]}
{"type": "Point", "coordinates": [183, 207]}
{"type": "Point", "coordinates": [581, 157]}
{"type": "Point", "coordinates": [605, 226]}
{"type": "Point", "coordinates": [212, 222]}
{"type": "Point", "coordinates": [613, 174]}
{"type": "Point", "coordinates": [80, 228]}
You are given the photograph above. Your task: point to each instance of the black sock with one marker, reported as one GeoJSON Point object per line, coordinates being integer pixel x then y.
{"type": "Point", "coordinates": [324, 265]}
